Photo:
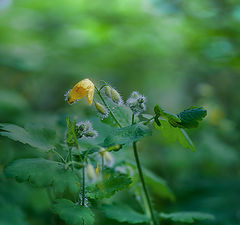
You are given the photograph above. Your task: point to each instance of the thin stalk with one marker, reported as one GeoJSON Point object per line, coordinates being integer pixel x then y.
{"type": "Point", "coordinates": [110, 111]}
{"type": "Point", "coordinates": [70, 157]}
{"type": "Point", "coordinates": [140, 172]}
{"type": "Point", "coordinates": [83, 185]}
{"type": "Point", "coordinates": [55, 152]}
{"type": "Point", "coordinates": [143, 182]}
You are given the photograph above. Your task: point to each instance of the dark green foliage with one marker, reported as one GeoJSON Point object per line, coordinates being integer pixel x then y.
{"type": "Point", "coordinates": [186, 217]}
{"type": "Point", "coordinates": [36, 136]}
{"type": "Point", "coordinates": [112, 182]}
{"type": "Point", "coordinates": [191, 117]}
{"type": "Point", "coordinates": [72, 213]}
{"type": "Point", "coordinates": [44, 173]}
{"type": "Point", "coordinates": [124, 213]}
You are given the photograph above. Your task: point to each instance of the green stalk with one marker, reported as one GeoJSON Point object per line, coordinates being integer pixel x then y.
{"type": "Point", "coordinates": [140, 172]}
{"type": "Point", "coordinates": [110, 111]}
{"type": "Point", "coordinates": [83, 185]}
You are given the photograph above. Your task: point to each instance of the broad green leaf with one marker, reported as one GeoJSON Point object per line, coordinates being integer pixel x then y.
{"type": "Point", "coordinates": [37, 137]}
{"type": "Point", "coordinates": [190, 117]}
{"type": "Point", "coordinates": [158, 185]}
{"type": "Point", "coordinates": [72, 213]}
{"type": "Point", "coordinates": [43, 173]}
{"type": "Point", "coordinates": [111, 183]}
{"type": "Point", "coordinates": [173, 134]}
{"type": "Point", "coordinates": [123, 213]}
{"type": "Point", "coordinates": [127, 135]}
{"type": "Point", "coordinates": [11, 214]}
{"type": "Point", "coordinates": [186, 217]}
{"type": "Point", "coordinates": [155, 183]}
{"type": "Point", "coordinates": [122, 113]}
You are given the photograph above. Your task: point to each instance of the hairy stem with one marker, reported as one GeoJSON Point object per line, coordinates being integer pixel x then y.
{"type": "Point", "coordinates": [110, 111]}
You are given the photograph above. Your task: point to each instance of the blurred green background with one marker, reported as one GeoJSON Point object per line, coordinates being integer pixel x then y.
{"type": "Point", "coordinates": [177, 53]}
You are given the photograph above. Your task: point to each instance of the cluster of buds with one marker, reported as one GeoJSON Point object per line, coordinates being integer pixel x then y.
{"type": "Point", "coordinates": [84, 129]}
{"type": "Point", "coordinates": [136, 103]}
{"type": "Point", "coordinates": [113, 95]}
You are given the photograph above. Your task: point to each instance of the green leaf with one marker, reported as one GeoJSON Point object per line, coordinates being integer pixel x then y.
{"type": "Point", "coordinates": [43, 173]}
{"type": "Point", "coordinates": [111, 183]}
{"type": "Point", "coordinates": [122, 113]}
{"type": "Point", "coordinates": [173, 134]}
{"type": "Point", "coordinates": [11, 214]}
{"type": "Point", "coordinates": [186, 217]}
{"type": "Point", "coordinates": [35, 136]}
{"type": "Point", "coordinates": [127, 135]}
{"type": "Point", "coordinates": [72, 213]}
{"type": "Point", "coordinates": [158, 185]}
{"type": "Point", "coordinates": [71, 133]}
{"type": "Point", "coordinates": [190, 117]}
{"type": "Point", "coordinates": [123, 213]}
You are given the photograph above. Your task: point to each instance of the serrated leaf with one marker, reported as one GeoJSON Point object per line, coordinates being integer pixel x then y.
{"type": "Point", "coordinates": [190, 117]}
{"type": "Point", "coordinates": [43, 173]}
{"type": "Point", "coordinates": [35, 136]}
{"type": "Point", "coordinates": [186, 217]}
{"type": "Point", "coordinates": [72, 213]}
{"type": "Point", "coordinates": [111, 183]}
{"type": "Point", "coordinates": [173, 134]}
{"type": "Point", "coordinates": [71, 136]}
{"type": "Point", "coordinates": [123, 213]}
{"type": "Point", "coordinates": [127, 135]}
{"type": "Point", "coordinates": [123, 113]}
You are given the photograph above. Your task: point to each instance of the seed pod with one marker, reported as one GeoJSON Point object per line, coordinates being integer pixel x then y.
{"type": "Point", "coordinates": [101, 108]}
{"type": "Point", "coordinates": [115, 96]}
{"type": "Point", "coordinates": [108, 91]}
{"type": "Point", "coordinates": [91, 172]}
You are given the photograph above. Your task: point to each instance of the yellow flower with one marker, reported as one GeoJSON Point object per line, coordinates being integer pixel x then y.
{"type": "Point", "coordinates": [81, 89]}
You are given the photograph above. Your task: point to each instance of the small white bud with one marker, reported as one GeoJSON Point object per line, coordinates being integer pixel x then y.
{"type": "Point", "coordinates": [91, 172]}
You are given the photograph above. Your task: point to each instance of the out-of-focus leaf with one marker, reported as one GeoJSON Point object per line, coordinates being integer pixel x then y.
{"type": "Point", "coordinates": [123, 213]}
{"type": "Point", "coordinates": [111, 183]}
{"type": "Point", "coordinates": [127, 135]}
{"type": "Point", "coordinates": [38, 137]}
{"type": "Point", "coordinates": [173, 134]}
{"type": "Point", "coordinates": [186, 217]}
{"type": "Point", "coordinates": [43, 173]}
{"type": "Point", "coordinates": [72, 213]}
{"type": "Point", "coordinates": [190, 117]}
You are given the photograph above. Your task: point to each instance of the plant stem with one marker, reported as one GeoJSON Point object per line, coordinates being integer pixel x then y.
{"type": "Point", "coordinates": [70, 157]}
{"type": "Point", "coordinates": [139, 167]}
{"type": "Point", "coordinates": [110, 111]}
{"type": "Point", "coordinates": [83, 185]}
{"type": "Point", "coordinates": [143, 182]}
{"type": "Point", "coordinates": [55, 152]}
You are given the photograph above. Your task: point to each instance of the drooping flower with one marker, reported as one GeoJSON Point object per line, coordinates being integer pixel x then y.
{"type": "Point", "coordinates": [81, 89]}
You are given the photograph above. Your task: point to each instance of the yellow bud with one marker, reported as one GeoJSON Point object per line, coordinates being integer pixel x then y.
{"type": "Point", "coordinates": [91, 172]}
{"type": "Point", "coordinates": [108, 91]}
{"type": "Point", "coordinates": [102, 109]}
{"type": "Point", "coordinates": [115, 96]}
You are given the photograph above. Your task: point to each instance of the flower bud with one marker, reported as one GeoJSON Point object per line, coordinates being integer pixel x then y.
{"type": "Point", "coordinates": [108, 91]}
{"type": "Point", "coordinates": [109, 158]}
{"type": "Point", "coordinates": [91, 172]}
{"type": "Point", "coordinates": [90, 134]}
{"type": "Point", "coordinates": [114, 148]}
{"type": "Point", "coordinates": [101, 109]}
{"type": "Point", "coordinates": [136, 103]}
{"type": "Point", "coordinates": [116, 96]}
